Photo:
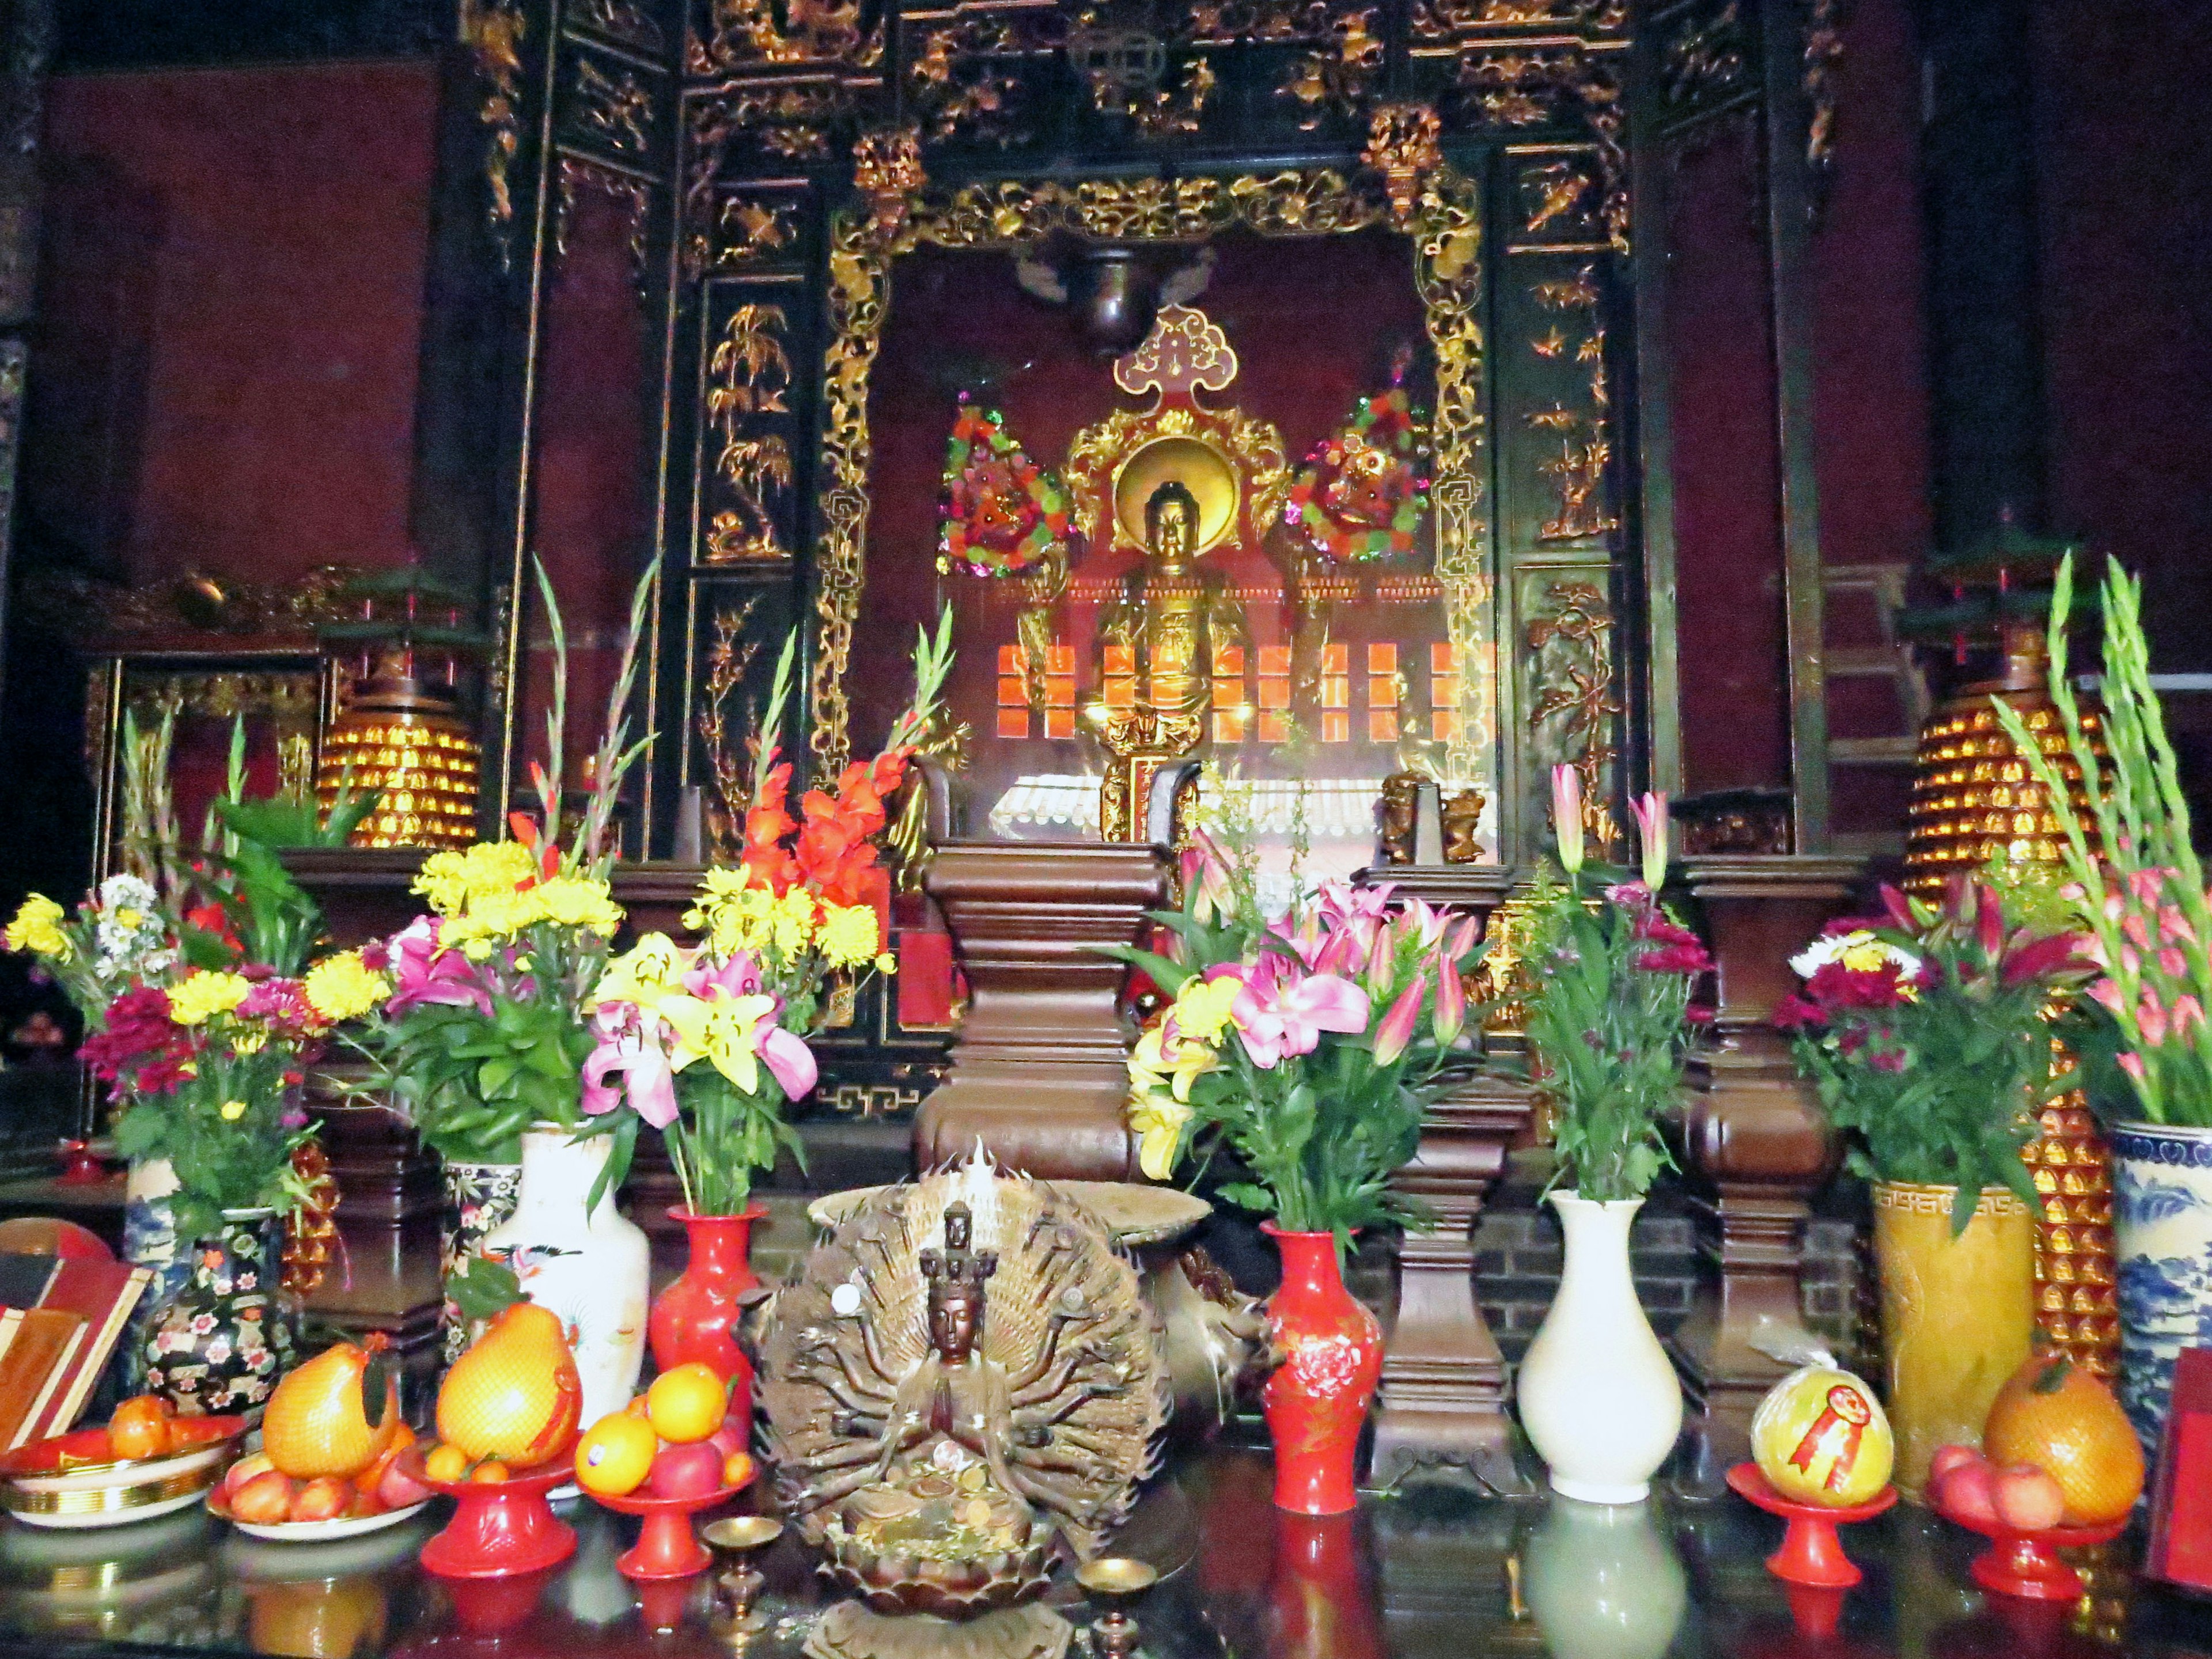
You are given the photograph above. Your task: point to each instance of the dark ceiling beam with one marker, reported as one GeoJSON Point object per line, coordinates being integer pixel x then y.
{"type": "Point", "coordinates": [140, 34]}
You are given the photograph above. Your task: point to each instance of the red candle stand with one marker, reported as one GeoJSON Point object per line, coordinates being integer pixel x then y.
{"type": "Point", "coordinates": [666, 1547]}
{"type": "Point", "coordinates": [1811, 1552]}
{"type": "Point", "coordinates": [499, 1527]}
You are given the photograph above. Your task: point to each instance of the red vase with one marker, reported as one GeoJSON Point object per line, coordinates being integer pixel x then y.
{"type": "Point", "coordinates": [697, 1318]}
{"type": "Point", "coordinates": [1321, 1607]}
{"type": "Point", "coordinates": [1316, 1401]}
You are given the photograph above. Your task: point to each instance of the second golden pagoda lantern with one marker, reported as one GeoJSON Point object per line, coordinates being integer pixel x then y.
{"type": "Point", "coordinates": [1976, 806]}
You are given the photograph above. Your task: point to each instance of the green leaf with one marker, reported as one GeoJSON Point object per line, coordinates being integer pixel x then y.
{"type": "Point", "coordinates": [482, 1288]}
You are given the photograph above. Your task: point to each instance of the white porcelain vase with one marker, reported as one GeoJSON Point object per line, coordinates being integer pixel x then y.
{"type": "Point", "coordinates": [593, 1270]}
{"type": "Point", "coordinates": [1597, 1394]}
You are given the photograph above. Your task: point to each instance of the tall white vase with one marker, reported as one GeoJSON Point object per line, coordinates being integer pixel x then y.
{"type": "Point", "coordinates": [592, 1271]}
{"type": "Point", "coordinates": [1597, 1396]}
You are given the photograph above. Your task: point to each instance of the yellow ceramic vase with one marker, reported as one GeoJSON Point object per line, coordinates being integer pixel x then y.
{"type": "Point", "coordinates": [1957, 1315]}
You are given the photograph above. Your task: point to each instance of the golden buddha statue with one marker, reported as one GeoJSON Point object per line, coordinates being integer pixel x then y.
{"type": "Point", "coordinates": [1172, 618]}
{"type": "Point", "coordinates": [1161, 639]}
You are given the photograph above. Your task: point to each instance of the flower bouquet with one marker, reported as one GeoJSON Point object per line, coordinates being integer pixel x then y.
{"type": "Point", "coordinates": [202, 1016]}
{"type": "Point", "coordinates": [2138, 893]}
{"type": "Point", "coordinates": [709, 1041]}
{"type": "Point", "coordinates": [1610, 1027]}
{"type": "Point", "coordinates": [1296, 1049]}
{"type": "Point", "coordinates": [1927, 1032]}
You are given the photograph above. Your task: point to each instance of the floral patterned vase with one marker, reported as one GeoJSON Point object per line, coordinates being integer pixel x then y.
{"type": "Point", "coordinates": [149, 1240]}
{"type": "Point", "coordinates": [2162, 1225]}
{"type": "Point", "coordinates": [1316, 1401]}
{"type": "Point", "coordinates": [592, 1268]}
{"type": "Point", "coordinates": [697, 1318]}
{"type": "Point", "coordinates": [479, 1198]}
{"type": "Point", "coordinates": [227, 1338]}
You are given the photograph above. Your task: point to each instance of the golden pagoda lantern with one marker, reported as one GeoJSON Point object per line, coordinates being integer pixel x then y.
{"type": "Point", "coordinates": [407, 740]}
{"type": "Point", "coordinates": [1975, 803]}
{"type": "Point", "coordinates": [400, 729]}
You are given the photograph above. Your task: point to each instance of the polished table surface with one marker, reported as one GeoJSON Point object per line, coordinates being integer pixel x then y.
{"type": "Point", "coordinates": [1431, 1571]}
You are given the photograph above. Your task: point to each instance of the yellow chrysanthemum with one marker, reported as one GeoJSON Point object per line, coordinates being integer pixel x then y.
{"type": "Point", "coordinates": [1158, 1120]}
{"type": "Point", "coordinates": [850, 934]}
{"type": "Point", "coordinates": [791, 927]}
{"type": "Point", "coordinates": [453, 882]}
{"type": "Point", "coordinates": [38, 928]}
{"type": "Point", "coordinates": [886, 962]}
{"type": "Point", "coordinates": [578, 901]}
{"type": "Point", "coordinates": [233, 1111]}
{"type": "Point", "coordinates": [249, 1042]}
{"type": "Point", "coordinates": [202, 996]}
{"type": "Point", "coordinates": [343, 987]}
{"type": "Point", "coordinates": [443, 881]}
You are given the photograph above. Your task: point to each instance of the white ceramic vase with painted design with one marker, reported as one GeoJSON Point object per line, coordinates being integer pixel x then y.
{"type": "Point", "coordinates": [2162, 1230]}
{"type": "Point", "coordinates": [1597, 1394]}
{"type": "Point", "coordinates": [593, 1270]}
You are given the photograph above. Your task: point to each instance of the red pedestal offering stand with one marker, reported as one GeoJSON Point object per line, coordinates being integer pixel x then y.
{"type": "Point", "coordinates": [2026, 1564]}
{"type": "Point", "coordinates": [666, 1547]}
{"type": "Point", "coordinates": [1811, 1552]}
{"type": "Point", "coordinates": [500, 1527]}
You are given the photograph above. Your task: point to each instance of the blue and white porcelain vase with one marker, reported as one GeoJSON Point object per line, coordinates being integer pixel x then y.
{"type": "Point", "coordinates": [2162, 1231]}
{"type": "Point", "coordinates": [149, 1240]}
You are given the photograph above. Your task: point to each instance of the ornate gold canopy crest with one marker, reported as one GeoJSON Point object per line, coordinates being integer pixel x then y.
{"type": "Point", "coordinates": [1230, 463]}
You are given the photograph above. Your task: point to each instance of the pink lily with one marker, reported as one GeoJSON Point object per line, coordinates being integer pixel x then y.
{"type": "Point", "coordinates": [423, 971]}
{"type": "Point", "coordinates": [1277, 1021]}
{"type": "Point", "coordinates": [1396, 1030]}
{"type": "Point", "coordinates": [1461, 939]}
{"type": "Point", "coordinates": [740, 976]}
{"type": "Point", "coordinates": [1382, 961]}
{"type": "Point", "coordinates": [1567, 815]}
{"type": "Point", "coordinates": [1651, 810]}
{"type": "Point", "coordinates": [1450, 1017]}
{"type": "Point", "coordinates": [1428, 921]}
{"type": "Point", "coordinates": [789, 1061]}
{"type": "Point", "coordinates": [648, 1084]}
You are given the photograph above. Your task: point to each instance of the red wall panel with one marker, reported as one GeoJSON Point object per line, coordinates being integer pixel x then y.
{"type": "Point", "coordinates": [224, 374]}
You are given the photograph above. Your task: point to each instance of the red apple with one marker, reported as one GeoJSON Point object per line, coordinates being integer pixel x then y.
{"type": "Point", "coordinates": [323, 1498]}
{"type": "Point", "coordinates": [264, 1501]}
{"type": "Point", "coordinates": [2027, 1499]}
{"type": "Point", "coordinates": [686, 1471]}
{"type": "Point", "coordinates": [365, 1504]}
{"type": "Point", "coordinates": [398, 1489]}
{"type": "Point", "coordinates": [1948, 1458]}
{"type": "Point", "coordinates": [1965, 1495]}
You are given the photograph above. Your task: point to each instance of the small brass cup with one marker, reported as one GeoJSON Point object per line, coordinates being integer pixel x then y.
{"type": "Point", "coordinates": [1114, 1583]}
{"type": "Point", "coordinates": [734, 1539]}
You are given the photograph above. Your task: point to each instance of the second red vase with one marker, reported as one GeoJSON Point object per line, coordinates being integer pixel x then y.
{"type": "Point", "coordinates": [697, 1318]}
{"type": "Point", "coordinates": [1316, 1401]}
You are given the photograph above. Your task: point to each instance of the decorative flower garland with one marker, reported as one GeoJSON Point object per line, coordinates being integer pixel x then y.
{"type": "Point", "coordinates": [1000, 512]}
{"type": "Point", "coordinates": [1359, 496]}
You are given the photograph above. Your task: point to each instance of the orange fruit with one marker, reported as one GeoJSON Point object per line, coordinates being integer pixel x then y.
{"type": "Point", "coordinates": [140, 1427]}
{"type": "Point", "coordinates": [2064, 1420]}
{"type": "Point", "coordinates": [616, 1454]}
{"type": "Point", "coordinates": [489, 1474]}
{"type": "Point", "coordinates": [687, 1404]}
{"type": "Point", "coordinates": [447, 1465]}
{"type": "Point", "coordinates": [514, 1395]}
{"type": "Point", "coordinates": [737, 1469]}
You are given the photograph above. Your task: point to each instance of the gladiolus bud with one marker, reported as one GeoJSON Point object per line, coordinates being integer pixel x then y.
{"type": "Point", "coordinates": [1650, 810]}
{"type": "Point", "coordinates": [1396, 1030]}
{"type": "Point", "coordinates": [1567, 815]}
{"type": "Point", "coordinates": [1451, 1002]}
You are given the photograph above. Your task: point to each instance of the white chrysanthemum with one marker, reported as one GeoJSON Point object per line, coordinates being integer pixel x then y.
{"type": "Point", "coordinates": [1860, 951]}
